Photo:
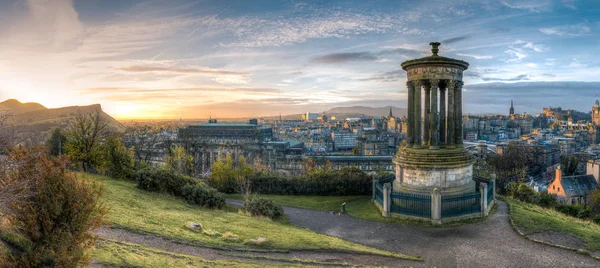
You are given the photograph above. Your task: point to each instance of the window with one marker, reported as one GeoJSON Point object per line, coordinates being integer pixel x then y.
{"type": "Point", "coordinates": [559, 189]}
{"type": "Point", "coordinates": [553, 187]}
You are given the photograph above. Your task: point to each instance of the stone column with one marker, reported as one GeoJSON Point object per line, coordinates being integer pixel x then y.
{"type": "Point", "coordinates": [458, 106]}
{"type": "Point", "coordinates": [434, 135]}
{"type": "Point", "coordinates": [387, 199]}
{"type": "Point", "coordinates": [374, 190]}
{"type": "Point", "coordinates": [417, 116]}
{"type": "Point", "coordinates": [436, 206]}
{"type": "Point", "coordinates": [443, 128]}
{"type": "Point", "coordinates": [410, 117]}
{"type": "Point", "coordinates": [451, 119]}
{"type": "Point", "coordinates": [483, 199]}
{"type": "Point", "coordinates": [427, 115]}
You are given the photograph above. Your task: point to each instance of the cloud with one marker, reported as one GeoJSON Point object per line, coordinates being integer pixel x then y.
{"type": "Point", "coordinates": [536, 6]}
{"type": "Point", "coordinates": [365, 56]}
{"type": "Point", "coordinates": [567, 30]}
{"type": "Point", "coordinates": [180, 70]}
{"type": "Point", "coordinates": [455, 39]}
{"type": "Point", "coordinates": [390, 76]}
{"type": "Point", "coordinates": [478, 57]}
{"type": "Point", "coordinates": [265, 31]}
{"type": "Point", "coordinates": [516, 78]}
{"type": "Point", "coordinates": [345, 57]}
{"type": "Point", "coordinates": [122, 90]}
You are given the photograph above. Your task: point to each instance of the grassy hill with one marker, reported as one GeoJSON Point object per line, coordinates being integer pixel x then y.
{"type": "Point", "coordinates": [533, 219]}
{"type": "Point", "coordinates": [166, 216]}
{"type": "Point", "coordinates": [33, 122]}
{"type": "Point", "coordinates": [16, 107]}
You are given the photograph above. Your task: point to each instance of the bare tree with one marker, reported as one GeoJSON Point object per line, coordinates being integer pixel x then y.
{"type": "Point", "coordinates": [84, 135]}
{"type": "Point", "coordinates": [145, 141]}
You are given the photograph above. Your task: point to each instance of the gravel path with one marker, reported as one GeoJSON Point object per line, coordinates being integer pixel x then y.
{"type": "Point", "coordinates": [489, 243]}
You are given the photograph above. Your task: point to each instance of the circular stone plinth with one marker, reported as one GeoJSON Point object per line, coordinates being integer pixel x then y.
{"type": "Point", "coordinates": [422, 170]}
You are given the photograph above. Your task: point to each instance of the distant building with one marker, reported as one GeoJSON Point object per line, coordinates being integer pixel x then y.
{"type": "Point", "coordinates": [593, 168]}
{"type": "Point", "coordinates": [343, 141]}
{"type": "Point", "coordinates": [310, 116]}
{"type": "Point", "coordinates": [210, 141]}
{"type": "Point", "coordinates": [512, 109]}
{"type": "Point", "coordinates": [572, 190]}
{"type": "Point", "coordinates": [596, 114]}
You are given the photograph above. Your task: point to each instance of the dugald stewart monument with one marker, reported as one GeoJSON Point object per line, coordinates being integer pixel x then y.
{"type": "Point", "coordinates": [434, 172]}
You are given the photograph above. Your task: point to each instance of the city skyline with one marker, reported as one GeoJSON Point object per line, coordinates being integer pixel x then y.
{"type": "Point", "coordinates": [154, 59]}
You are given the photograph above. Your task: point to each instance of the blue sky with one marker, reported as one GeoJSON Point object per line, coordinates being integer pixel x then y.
{"type": "Point", "coordinates": [151, 59]}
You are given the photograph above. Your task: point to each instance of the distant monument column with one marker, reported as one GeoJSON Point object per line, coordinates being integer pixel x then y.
{"type": "Point", "coordinates": [410, 118]}
{"type": "Point", "coordinates": [451, 111]}
{"type": "Point", "coordinates": [433, 116]}
{"type": "Point", "coordinates": [427, 116]}
{"type": "Point", "coordinates": [458, 107]}
{"type": "Point", "coordinates": [417, 115]}
{"type": "Point", "coordinates": [443, 123]}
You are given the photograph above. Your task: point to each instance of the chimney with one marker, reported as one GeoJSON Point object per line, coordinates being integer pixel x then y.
{"type": "Point", "coordinates": [558, 173]}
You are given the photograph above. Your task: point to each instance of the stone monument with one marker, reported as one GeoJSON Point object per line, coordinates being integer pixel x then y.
{"type": "Point", "coordinates": [434, 157]}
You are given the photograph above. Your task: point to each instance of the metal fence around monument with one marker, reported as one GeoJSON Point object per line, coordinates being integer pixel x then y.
{"type": "Point", "coordinates": [490, 192]}
{"type": "Point", "coordinates": [462, 204]}
{"type": "Point", "coordinates": [418, 205]}
{"type": "Point", "coordinates": [379, 193]}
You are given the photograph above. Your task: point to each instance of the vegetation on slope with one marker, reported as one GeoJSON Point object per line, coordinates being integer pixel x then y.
{"type": "Point", "coordinates": [532, 219]}
{"type": "Point", "coordinates": [166, 216]}
{"type": "Point", "coordinates": [119, 254]}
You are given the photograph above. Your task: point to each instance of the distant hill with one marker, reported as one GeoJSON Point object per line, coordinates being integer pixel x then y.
{"type": "Point", "coordinates": [33, 122]}
{"type": "Point", "coordinates": [358, 111]}
{"type": "Point", "coordinates": [16, 107]}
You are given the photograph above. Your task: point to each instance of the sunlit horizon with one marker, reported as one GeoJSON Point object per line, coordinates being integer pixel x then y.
{"type": "Point", "coordinates": [188, 59]}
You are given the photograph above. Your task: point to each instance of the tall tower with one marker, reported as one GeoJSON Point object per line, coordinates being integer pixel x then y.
{"type": "Point", "coordinates": [434, 157]}
{"type": "Point", "coordinates": [512, 108]}
{"type": "Point", "coordinates": [596, 114]}
{"type": "Point", "coordinates": [391, 112]}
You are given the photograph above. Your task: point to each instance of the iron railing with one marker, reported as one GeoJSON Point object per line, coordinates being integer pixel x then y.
{"type": "Point", "coordinates": [462, 204]}
{"type": "Point", "coordinates": [490, 192]}
{"type": "Point", "coordinates": [418, 205]}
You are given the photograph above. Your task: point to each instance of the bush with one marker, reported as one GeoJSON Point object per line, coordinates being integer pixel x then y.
{"type": "Point", "coordinates": [548, 200]}
{"type": "Point", "coordinates": [257, 206]}
{"type": "Point", "coordinates": [167, 181]}
{"type": "Point", "coordinates": [347, 181]}
{"type": "Point", "coordinates": [119, 160]}
{"type": "Point", "coordinates": [58, 215]}
{"type": "Point", "coordinates": [203, 195]}
{"type": "Point", "coordinates": [162, 180]}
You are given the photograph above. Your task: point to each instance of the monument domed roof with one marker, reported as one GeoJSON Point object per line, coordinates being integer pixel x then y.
{"type": "Point", "coordinates": [435, 59]}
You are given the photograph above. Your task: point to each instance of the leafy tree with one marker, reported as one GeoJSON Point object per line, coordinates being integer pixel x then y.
{"type": "Point", "coordinates": [594, 201]}
{"type": "Point", "coordinates": [569, 164]}
{"type": "Point", "coordinates": [179, 161]}
{"type": "Point", "coordinates": [232, 175]}
{"type": "Point", "coordinates": [84, 135]}
{"type": "Point", "coordinates": [58, 215]}
{"type": "Point", "coordinates": [56, 143]}
{"type": "Point", "coordinates": [119, 160]}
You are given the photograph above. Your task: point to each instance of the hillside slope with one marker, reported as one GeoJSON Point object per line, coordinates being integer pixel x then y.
{"type": "Point", "coordinates": [33, 122]}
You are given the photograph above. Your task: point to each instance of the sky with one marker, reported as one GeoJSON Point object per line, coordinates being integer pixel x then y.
{"type": "Point", "coordinates": [195, 59]}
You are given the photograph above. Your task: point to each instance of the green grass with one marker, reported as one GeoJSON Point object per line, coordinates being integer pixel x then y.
{"type": "Point", "coordinates": [166, 216]}
{"type": "Point", "coordinates": [359, 207]}
{"type": "Point", "coordinates": [532, 219]}
{"type": "Point", "coordinates": [121, 254]}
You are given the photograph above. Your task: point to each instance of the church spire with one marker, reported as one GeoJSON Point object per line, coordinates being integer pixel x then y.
{"type": "Point", "coordinates": [512, 108]}
{"type": "Point", "coordinates": [391, 112]}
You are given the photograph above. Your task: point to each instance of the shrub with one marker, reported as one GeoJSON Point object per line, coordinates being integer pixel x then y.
{"type": "Point", "coordinates": [548, 200]}
{"type": "Point", "coordinates": [119, 160]}
{"type": "Point", "coordinates": [58, 215]}
{"type": "Point", "coordinates": [347, 181]}
{"type": "Point", "coordinates": [526, 194]}
{"type": "Point", "coordinates": [257, 206]}
{"type": "Point", "coordinates": [162, 180]}
{"type": "Point", "coordinates": [203, 195]}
